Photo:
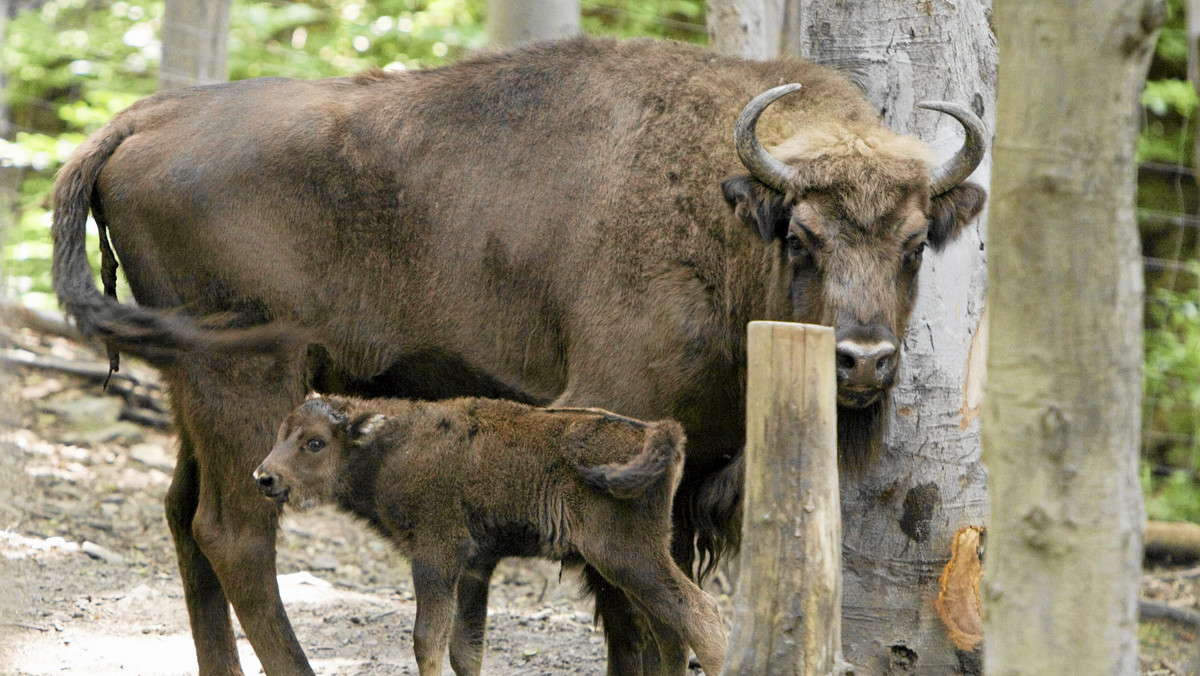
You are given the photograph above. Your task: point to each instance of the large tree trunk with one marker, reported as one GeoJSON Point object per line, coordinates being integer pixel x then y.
{"type": "Point", "coordinates": [904, 517]}
{"type": "Point", "coordinates": [1061, 420]}
{"type": "Point", "coordinates": [511, 22]}
{"type": "Point", "coordinates": [901, 516]}
{"type": "Point", "coordinates": [193, 43]}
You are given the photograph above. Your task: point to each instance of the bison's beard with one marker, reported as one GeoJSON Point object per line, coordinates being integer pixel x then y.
{"type": "Point", "coordinates": [860, 435]}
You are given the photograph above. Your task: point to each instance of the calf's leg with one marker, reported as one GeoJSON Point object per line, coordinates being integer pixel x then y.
{"type": "Point", "coordinates": [229, 409]}
{"type": "Point", "coordinates": [470, 624]}
{"type": "Point", "coordinates": [657, 585]}
{"type": "Point", "coordinates": [625, 632]}
{"type": "Point", "coordinates": [672, 647]}
{"type": "Point", "coordinates": [434, 585]}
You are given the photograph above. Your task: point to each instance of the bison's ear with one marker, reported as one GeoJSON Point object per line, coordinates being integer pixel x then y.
{"type": "Point", "coordinates": [757, 206]}
{"type": "Point", "coordinates": [365, 426]}
{"type": "Point", "coordinates": [950, 212]}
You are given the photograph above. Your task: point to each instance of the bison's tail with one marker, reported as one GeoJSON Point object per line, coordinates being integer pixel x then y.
{"type": "Point", "coordinates": [714, 511]}
{"type": "Point", "coordinates": [149, 333]}
{"type": "Point", "coordinates": [662, 456]}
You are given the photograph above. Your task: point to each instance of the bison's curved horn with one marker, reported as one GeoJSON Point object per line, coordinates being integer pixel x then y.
{"type": "Point", "coordinates": [762, 165]}
{"type": "Point", "coordinates": [956, 169]}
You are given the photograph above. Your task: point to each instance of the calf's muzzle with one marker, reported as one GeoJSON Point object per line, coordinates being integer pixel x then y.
{"type": "Point", "coordinates": [270, 484]}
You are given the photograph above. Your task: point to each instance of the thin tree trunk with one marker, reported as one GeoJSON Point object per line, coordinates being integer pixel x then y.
{"type": "Point", "coordinates": [1062, 415]}
{"type": "Point", "coordinates": [512, 22]}
{"type": "Point", "coordinates": [900, 518]}
{"type": "Point", "coordinates": [193, 43]}
{"type": "Point", "coordinates": [752, 29]}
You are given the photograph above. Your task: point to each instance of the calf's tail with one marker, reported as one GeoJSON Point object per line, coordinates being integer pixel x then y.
{"type": "Point", "coordinates": [662, 455]}
{"type": "Point", "coordinates": [153, 334]}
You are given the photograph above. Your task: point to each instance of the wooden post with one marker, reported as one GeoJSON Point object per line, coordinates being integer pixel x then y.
{"type": "Point", "coordinates": [787, 609]}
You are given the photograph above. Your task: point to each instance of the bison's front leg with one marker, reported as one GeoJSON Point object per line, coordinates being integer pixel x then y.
{"type": "Point", "coordinates": [224, 529]}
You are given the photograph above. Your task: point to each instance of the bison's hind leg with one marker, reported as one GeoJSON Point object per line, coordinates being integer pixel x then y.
{"type": "Point", "coordinates": [208, 609]}
{"type": "Point", "coordinates": [228, 409]}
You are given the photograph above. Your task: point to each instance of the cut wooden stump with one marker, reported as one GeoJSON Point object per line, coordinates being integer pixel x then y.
{"type": "Point", "coordinates": [787, 608]}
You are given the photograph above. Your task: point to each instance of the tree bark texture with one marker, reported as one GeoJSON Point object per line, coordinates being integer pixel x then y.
{"type": "Point", "coordinates": [512, 22]}
{"type": "Point", "coordinates": [787, 608]}
{"type": "Point", "coordinates": [751, 29]}
{"type": "Point", "coordinates": [193, 43]}
{"type": "Point", "coordinates": [1061, 425]}
{"type": "Point", "coordinates": [901, 515]}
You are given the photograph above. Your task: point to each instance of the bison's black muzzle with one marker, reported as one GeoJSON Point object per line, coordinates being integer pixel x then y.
{"type": "Point", "coordinates": [866, 365]}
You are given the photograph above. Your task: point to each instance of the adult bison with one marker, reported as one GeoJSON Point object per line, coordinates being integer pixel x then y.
{"type": "Point", "coordinates": [565, 223]}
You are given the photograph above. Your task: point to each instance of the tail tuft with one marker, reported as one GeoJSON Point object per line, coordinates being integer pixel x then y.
{"type": "Point", "coordinates": [661, 456]}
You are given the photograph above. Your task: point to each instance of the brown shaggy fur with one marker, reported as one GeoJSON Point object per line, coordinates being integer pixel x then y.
{"type": "Point", "coordinates": [457, 485]}
{"type": "Point", "coordinates": [567, 222]}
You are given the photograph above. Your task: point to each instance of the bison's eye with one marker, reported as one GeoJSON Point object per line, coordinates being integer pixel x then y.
{"type": "Point", "coordinates": [913, 258]}
{"type": "Point", "coordinates": [795, 245]}
{"type": "Point", "coordinates": [315, 445]}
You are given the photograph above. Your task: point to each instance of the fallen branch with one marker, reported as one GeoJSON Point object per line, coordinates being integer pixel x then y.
{"type": "Point", "coordinates": [1151, 610]}
{"type": "Point", "coordinates": [1176, 541]}
{"type": "Point", "coordinates": [90, 370]}
{"type": "Point", "coordinates": [144, 401]}
{"type": "Point", "coordinates": [16, 315]}
{"type": "Point", "coordinates": [1174, 575]}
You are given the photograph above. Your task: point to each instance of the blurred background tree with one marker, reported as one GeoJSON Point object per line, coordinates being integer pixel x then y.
{"type": "Point", "coordinates": [69, 65]}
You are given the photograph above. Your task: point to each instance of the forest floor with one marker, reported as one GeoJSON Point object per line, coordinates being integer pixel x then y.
{"type": "Point", "coordinates": [90, 584]}
{"type": "Point", "coordinates": [74, 479]}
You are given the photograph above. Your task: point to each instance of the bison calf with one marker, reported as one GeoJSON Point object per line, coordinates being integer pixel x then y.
{"type": "Point", "coordinates": [459, 484]}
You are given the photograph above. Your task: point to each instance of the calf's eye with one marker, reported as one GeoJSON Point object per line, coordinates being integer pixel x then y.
{"type": "Point", "coordinates": [315, 445]}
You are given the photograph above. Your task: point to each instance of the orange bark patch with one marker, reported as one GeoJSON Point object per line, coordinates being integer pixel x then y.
{"type": "Point", "coordinates": [959, 603]}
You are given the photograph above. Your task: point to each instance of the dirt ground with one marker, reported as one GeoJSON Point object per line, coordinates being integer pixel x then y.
{"type": "Point", "coordinates": [74, 479]}
{"type": "Point", "coordinates": [90, 584]}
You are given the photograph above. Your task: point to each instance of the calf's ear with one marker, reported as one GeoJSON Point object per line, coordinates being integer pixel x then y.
{"type": "Point", "coordinates": [950, 212]}
{"type": "Point", "coordinates": [757, 206]}
{"type": "Point", "coordinates": [364, 426]}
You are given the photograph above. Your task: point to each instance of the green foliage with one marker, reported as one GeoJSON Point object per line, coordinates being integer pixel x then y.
{"type": "Point", "coordinates": [1170, 498]}
{"type": "Point", "coordinates": [674, 19]}
{"type": "Point", "coordinates": [1171, 49]}
{"type": "Point", "coordinates": [1169, 100]}
{"type": "Point", "coordinates": [73, 64]}
{"type": "Point", "coordinates": [1171, 406]}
